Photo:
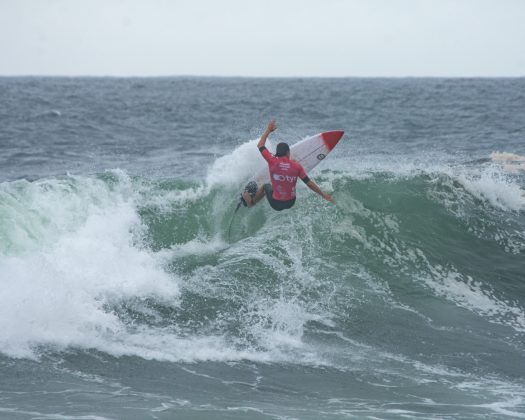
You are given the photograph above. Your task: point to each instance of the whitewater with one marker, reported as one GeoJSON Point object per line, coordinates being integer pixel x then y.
{"type": "Point", "coordinates": [124, 296]}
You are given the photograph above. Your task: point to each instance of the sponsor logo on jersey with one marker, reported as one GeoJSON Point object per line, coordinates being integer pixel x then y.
{"type": "Point", "coordinates": [284, 178]}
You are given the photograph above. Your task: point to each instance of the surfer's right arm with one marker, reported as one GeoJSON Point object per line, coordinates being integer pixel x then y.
{"type": "Point", "coordinates": [314, 187]}
{"type": "Point", "coordinates": [272, 126]}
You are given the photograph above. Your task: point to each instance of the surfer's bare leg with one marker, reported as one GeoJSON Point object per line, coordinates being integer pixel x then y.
{"type": "Point", "coordinates": [259, 195]}
{"type": "Point", "coordinates": [252, 201]}
{"type": "Point", "coordinates": [248, 199]}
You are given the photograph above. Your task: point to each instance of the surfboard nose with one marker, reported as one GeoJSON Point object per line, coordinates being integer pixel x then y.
{"type": "Point", "coordinates": [330, 138]}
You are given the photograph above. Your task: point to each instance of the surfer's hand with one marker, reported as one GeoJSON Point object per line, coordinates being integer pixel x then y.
{"type": "Point", "coordinates": [272, 126]}
{"type": "Point", "coordinates": [328, 198]}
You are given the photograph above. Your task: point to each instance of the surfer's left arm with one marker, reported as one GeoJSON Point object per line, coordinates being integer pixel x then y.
{"type": "Point", "coordinates": [272, 126]}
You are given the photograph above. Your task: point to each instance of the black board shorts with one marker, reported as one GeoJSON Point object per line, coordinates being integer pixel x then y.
{"type": "Point", "coordinates": [277, 204]}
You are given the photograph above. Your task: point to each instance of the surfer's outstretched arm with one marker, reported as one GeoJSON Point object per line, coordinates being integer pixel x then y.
{"type": "Point", "coordinates": [314, 187]}
{"type": "Point", "coordinates": [272, 126]}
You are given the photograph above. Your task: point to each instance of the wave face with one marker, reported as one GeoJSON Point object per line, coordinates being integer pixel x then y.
{"type": "Point", "coordinates": [406, 299]}
{"type": "Point", "coordinates": [406, 262]}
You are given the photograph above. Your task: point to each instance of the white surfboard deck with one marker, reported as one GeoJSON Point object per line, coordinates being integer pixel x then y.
{"type": "Point", "coordinates": [308, 152]}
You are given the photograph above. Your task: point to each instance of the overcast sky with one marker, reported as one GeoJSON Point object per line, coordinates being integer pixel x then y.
{"type": "Point", "coordinates": [263, 37]}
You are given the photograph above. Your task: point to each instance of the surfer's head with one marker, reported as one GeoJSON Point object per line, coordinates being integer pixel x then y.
{"type": "Point", "coordinates": [282, 150]}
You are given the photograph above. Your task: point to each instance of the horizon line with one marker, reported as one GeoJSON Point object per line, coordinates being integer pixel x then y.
{"type": "Point", "coordinates": [203, 76]}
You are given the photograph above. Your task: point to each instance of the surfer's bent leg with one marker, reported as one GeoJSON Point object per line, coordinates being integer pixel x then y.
{"type": "Point", "coordinates": [259, 195]}
{"type": "Point", "coordinates": [251, 194]}
{"type": "Point", "coordinates": [268, 191]}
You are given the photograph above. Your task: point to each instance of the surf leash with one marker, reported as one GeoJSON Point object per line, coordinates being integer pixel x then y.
{"type": "Point", "coordinates": [231, 221]}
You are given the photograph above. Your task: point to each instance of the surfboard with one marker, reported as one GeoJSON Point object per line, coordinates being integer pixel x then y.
{"type": "Point", "coordinates": [308, 152]}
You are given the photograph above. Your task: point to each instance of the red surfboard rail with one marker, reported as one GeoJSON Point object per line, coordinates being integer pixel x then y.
{"type": "Point", "coordinates": [330, 138]}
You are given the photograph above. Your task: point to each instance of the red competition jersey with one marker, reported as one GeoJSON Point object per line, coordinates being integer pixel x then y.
{"type": "Point", "coordinates": [283, 174]}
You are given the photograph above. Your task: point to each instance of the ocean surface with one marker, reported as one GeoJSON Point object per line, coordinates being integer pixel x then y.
{"type": "Point", "coordinates": [122, 296]}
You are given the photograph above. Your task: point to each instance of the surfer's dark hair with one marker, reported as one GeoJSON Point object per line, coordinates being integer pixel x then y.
{"type": "Point", "coordinates": [282, 149]}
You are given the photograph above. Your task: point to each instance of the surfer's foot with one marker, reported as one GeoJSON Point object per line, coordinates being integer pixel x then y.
{"type": "Point", "coordinates": [247, 199]}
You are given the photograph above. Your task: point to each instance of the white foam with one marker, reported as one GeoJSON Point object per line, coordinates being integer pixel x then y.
{"type": "Point", "coordinates": [56, 294]}
{"type": "Point", "coordinates": [279, 323]}
{"type": "Point", "coordinates": [511, 396]}
{"type": "Point", "coordinates": [40, 416]}
{"type": "Point", "coordinates": [35, 214]}
{"type": "Point", "coordinates": [496, 187]}
{"type": "Point", "coordinates": [197, 246]}
{"type": "Point", "coordinates": [471, 295]}
{"type": "Point", "coordinates": [233, 168]}
{"type": "Point", "coordinates": [164, 201]}
{"type": "Point", "coordinates": [491, 183]}
{"type": "Point", "coordinates": [169, 345]}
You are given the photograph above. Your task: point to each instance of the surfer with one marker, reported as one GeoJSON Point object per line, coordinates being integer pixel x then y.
{"type": "Point", "coordinates": [283, 175]}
